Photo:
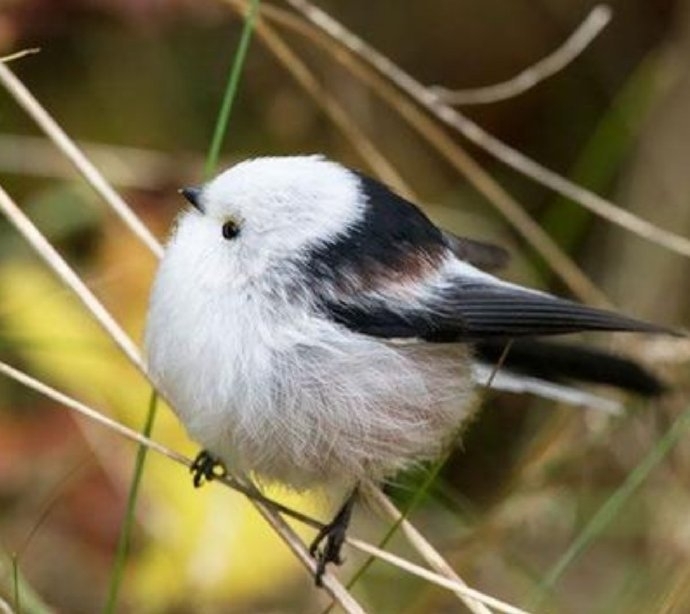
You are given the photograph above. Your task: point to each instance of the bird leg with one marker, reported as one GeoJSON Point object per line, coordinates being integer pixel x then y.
{"type": "Point", "coordinates": [206, 468]}
{"type": "Point", "coordinates": [334, 534]}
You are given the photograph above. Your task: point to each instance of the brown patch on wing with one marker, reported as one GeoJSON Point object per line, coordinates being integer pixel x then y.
{"type": "Point", "coordinates": [411, 269]}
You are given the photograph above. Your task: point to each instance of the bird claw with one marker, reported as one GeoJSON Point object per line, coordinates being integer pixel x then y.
{"type": "Point", "coordinates": [333, 534]}
{"type": "Point", "coordinates": [206, 468]}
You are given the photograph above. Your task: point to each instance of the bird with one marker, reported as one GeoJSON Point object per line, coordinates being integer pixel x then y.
{"type": "Point", "coordinates": [309, 326]}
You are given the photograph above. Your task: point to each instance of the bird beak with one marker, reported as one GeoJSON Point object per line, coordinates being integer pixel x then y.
{"type": "Point", "coordinates": [193, 195]}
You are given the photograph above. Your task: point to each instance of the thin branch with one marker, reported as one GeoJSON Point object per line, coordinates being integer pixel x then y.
{"type": "Point", "coordinates": [330, 582]}
{"type": "Point", "coordinates": [93, 177]}
{"type": "Point", "coordinates": [19, 54]}
{"type": "Point", "coordinates": [456, 586]}
{"type": "Point", "coordinates": [90, 413]}
{"type": "Point", "coordinates": [574, 45]}
{"type": "Point", "coordinates": [422, 545]}
{"type": "Point", "coordinates": [480, 137]}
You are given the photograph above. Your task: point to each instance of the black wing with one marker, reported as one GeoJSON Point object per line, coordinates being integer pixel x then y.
{"type": "Point", "coordinates": [475, 311]}
{"type": "Point", "coordinates": [395, 246]}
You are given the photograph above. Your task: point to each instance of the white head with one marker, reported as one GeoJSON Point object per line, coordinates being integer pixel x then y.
{"type": "Point", "coordinates": [276, 204]}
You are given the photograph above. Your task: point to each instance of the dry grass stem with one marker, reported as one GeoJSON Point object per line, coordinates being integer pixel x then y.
{"type": "Point", "coordinates": [481, 180]}
{"type": "Point", "coordinates": [423, 547]}
{"type": "Point", "coordinates": [19, 54]}
{"type": "Point", "coordinates": [92, 175]}
{"type": "Point", "coordinates": [90, 413]}
{"type": "Point", "coordinates": [249, 491]}
{"type": "Point", "coordinates": [555, 62]}
{"type": "Point", "coordinates": [330, 582]}
{"type": "Point", "coordinates": [472, 595]}
{"type": "Point", "coordinates": [67, 275]}
{"type": "Point", "coordinates": [499, 150]}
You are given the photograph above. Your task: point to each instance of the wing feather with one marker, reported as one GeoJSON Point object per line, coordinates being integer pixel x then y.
{"type": "Point", "coordinates": [394, 274]}
{"type": "Point", "coordinates": [470, 312]}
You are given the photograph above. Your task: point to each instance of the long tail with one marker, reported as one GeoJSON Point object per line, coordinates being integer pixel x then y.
{"type": "Point", "coordinates": [564, 363]}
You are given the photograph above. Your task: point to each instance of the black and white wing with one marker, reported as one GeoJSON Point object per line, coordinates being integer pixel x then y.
{"type": "Point", "coordinates": [396, 275]}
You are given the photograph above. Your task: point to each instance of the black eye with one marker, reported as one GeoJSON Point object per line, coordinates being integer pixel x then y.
{"type": "Point", "coordinates": [230, 230]}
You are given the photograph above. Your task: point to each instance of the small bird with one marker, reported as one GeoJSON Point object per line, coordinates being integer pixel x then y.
{"type": "Point", "coordinates": [311, 327]}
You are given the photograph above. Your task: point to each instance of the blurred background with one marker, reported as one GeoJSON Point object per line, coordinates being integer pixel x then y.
{"type": "Point", "coordinates": [138, 83]}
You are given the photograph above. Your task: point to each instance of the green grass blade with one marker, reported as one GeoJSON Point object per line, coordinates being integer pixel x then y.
{"type": "Point", "coordinates": [610, 509]}
{"type": "Point", "coordinates": [19, 594]}
{"type": "Point", "coordinates": [15, 584]}
{"type": "Point", "coordinates": [128, 522]}
{"type": "Point", "coordinates": [231, 90]}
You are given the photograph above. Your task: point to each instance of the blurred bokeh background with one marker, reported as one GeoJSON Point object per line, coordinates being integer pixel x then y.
{"type": "Point", "coordinates": [138, 83]}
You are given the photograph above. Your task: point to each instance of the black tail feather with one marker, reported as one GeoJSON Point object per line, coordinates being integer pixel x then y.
{"type": "Point", "coordinates": [560, 362]}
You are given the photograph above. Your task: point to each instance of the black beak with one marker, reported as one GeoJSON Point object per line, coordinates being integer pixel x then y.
{"type": "Point", "coordinates": [193, 195]}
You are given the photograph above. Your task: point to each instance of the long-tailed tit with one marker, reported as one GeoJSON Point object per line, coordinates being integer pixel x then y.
{"type": "Point", "coordinates": [309, 326]}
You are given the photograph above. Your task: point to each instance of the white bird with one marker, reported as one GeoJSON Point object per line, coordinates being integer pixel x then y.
{"type": "Point", "coordinates": [311, 327]}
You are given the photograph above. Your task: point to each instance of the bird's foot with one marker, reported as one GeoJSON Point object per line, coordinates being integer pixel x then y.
{"type": "Point", "coordinates": [206, 468]}
{"type": "Point", "coordinates": [333, 534]}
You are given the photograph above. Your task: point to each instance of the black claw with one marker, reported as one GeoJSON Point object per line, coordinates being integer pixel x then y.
{"type": "Point", "coordinates": [206, 468]}
{"type": "Point", "coordinates": [333, 534]}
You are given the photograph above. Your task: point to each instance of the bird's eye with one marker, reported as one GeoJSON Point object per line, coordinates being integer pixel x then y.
{"type": "Point", "coordinates": [230, 229]}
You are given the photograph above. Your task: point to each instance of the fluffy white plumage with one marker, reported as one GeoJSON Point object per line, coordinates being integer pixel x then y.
{"type": "Point", "coordinates": [258, 377]}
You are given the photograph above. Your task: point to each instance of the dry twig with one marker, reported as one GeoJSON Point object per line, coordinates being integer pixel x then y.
{"type": "Point", "coordinates": [18, 55]}
{"type": "Point", "coordinates": [556, 61]}
{"type": "Point", "coordinates": [67, 275]}
{"type": "Point", "coordinates": [130, 167]}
